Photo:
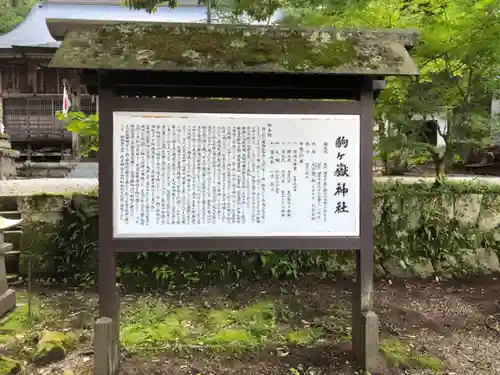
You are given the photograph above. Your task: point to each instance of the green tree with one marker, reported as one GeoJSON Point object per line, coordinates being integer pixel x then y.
{"type": "Point", "coordinates": [85, 126]}
{"type": "Point", "coordinates": [256, 9]}
{"type": "Point", "coordinates": [12, 12]}
{"type": "Point", "coordinates": [459, 60]}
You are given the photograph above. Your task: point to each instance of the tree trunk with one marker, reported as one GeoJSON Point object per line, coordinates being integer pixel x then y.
{"type": "Point", "coordinates": [440, 164]}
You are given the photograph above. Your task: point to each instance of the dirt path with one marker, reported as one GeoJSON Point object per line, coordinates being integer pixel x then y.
{"type": "Point", "coordinates": [444, 321]}
{"type": "Point", "coordinates": [447, 320]}
{"type": "Point", "coordinates": [288, 328]}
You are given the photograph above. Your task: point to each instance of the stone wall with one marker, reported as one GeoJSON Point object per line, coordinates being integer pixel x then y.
{"type": "Point", "coordinates": [78, 170]}
{"type": "Point", "coordinates": [51, 219]}
{"type": "Point", "coordinates": [43, 216]}
{"type": "Point", "coordinates": [43, 170]}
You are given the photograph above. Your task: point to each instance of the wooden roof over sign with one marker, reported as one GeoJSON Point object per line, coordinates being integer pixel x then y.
{"type": "Point", "coordinates": [230, 48]}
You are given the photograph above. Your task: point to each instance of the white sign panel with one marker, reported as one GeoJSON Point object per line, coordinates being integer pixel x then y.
{"type": "Point", "coordinates": [235, 175]}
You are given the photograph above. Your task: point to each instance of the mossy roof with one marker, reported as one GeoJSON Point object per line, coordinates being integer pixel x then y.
{"type": "Point", "coordinates": [223, 48]}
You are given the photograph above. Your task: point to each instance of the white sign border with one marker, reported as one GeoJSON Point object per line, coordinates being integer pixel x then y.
{"type": "Point", "coordinates": [142, 114]}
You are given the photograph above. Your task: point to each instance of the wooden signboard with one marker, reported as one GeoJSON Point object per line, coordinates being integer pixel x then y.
{"type": "Point", "coordinates": [253, 171]}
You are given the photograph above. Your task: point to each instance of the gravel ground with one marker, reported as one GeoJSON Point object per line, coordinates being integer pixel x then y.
{"type": "Point", "coordinates": [64, 185]}
{"type": "Point", "coordinates": [447, 320]}
{"type": "Point", "coordinates": [442, 320]}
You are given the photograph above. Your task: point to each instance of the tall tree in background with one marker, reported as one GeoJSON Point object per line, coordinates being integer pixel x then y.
{"type": "Point", "coordinates": [12, 12]}
{"type": "Point", "coordinates": [256, 9]}
{"type": "Point", "coordinates": [459, 59]}
{"type": "Point", "coordinates": [458, 55]}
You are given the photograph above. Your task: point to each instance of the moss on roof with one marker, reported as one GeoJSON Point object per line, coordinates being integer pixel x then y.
{"type": "Point", "coordinates": [204, 47]}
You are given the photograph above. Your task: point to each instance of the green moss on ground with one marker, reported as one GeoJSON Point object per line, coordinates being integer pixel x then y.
{"type": "Point", "coordinates": [9, 366]}
{"type": "Point", "coordinates": [149, 325]}
{"type": "Point", "coordinates": [305, 335]}
{"type": "Point", "coordinates": [19, 321]}
{"type": "Point", "coordinates": [398, 354]}
{"type": "Point", "coordinates": [53, 346]}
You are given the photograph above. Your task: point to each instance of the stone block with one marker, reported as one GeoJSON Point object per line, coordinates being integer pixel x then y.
{"type": "Point", "coordinates": [8, 203]}
{"type": "Point", "coordinates": [44, 170]}
{"type": "Point", "coordinates": [7, 301]}
{"type": "Point", "coordinates": [396, 268]}
{"type": "Point", "coordinates": [13, 237]}
{"type": "Point", "coordinates": [366, 346]}
{"type": "Point", "coordinates": [53, 346]}
{"type": "Point", "coordinates": [467, 208]}
{"type": "Point", "coordinates": [423, 269]}
{"type": "Point", "coordinates": [490, 218]}
{"type": "Point", "coordinates": [4, 247]}
{"type": "Point", "coordinates": [8, 158]}
{"type": "Point", "coordinates": [106, 345]}
{"type": "Point", "coordinates": [7, 167]}
{"type": "Point", "coordinates": [481, 260]}
{"type": "Point", "coordinates": [42, 207]}
{"type": "Point", "coordinates": [37, 246]}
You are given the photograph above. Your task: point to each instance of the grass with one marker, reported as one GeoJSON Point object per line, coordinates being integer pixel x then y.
{"type": "Point", "coordinates": [150, 325]}
{"type": "Point", "coordinates": [20, 320]}
{"type": "Point", "coordinates": [270, 327]}
{"type": "Point", "coordinates": [398, 354]}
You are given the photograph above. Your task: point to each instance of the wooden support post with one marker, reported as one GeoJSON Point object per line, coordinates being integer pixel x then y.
{"type": "Point", "coordinates": [365, 341]}
{"type": "Point", "coordinates": [365, 336]}
{"type": "Point", "coordinates": [109, 302]}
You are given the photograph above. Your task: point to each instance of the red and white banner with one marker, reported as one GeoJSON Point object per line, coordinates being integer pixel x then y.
{"type": "Point", "coordinates": [66, 101]}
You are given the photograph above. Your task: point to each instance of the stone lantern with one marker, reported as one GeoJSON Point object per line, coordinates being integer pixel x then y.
{"type": "Point", "coordinates": [7, 296]}
{"type": "Point", "coordinates": [8, 158]}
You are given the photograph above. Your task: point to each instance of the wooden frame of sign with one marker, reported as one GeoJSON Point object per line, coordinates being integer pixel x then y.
{"type": "Point", "coordinates": [243, 173]}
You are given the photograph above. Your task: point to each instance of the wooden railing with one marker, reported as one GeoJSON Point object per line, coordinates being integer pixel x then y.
{"type": "Point", "coordinates": [29, 119]}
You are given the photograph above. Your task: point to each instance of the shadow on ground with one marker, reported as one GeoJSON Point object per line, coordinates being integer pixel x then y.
{"type": "Point", "coordinates": [292, 328]}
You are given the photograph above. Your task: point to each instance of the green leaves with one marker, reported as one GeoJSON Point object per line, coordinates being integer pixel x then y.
{"type": "Point", "coordinates": [86, 126]}
{"type": "Point", "coordinates": [260, 10]}
{"type": "Point", "coordinates": [413, 224]}
{"type": "Point", "coordinates": [13, 12]}
{"type": "Point", "coordinates": [148, 5]}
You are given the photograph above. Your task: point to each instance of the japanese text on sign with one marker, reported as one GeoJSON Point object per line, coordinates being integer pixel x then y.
{"type": "Point", "coordinates": [228, 175]}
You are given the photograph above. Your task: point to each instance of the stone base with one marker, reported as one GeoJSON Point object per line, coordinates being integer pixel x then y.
{"type": "Point", "coordinates": [106, 347]}
{"type": "Point", "coordinates": [7, 301]}
{"type": "Point", "coordinates": [5, 247]}
{"type": "Point", "coordinates": [44, 170]}
{"type": "Point", "coordinates": [7, 160]}
{"type": "Point", "coordinates": [366, 345]}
